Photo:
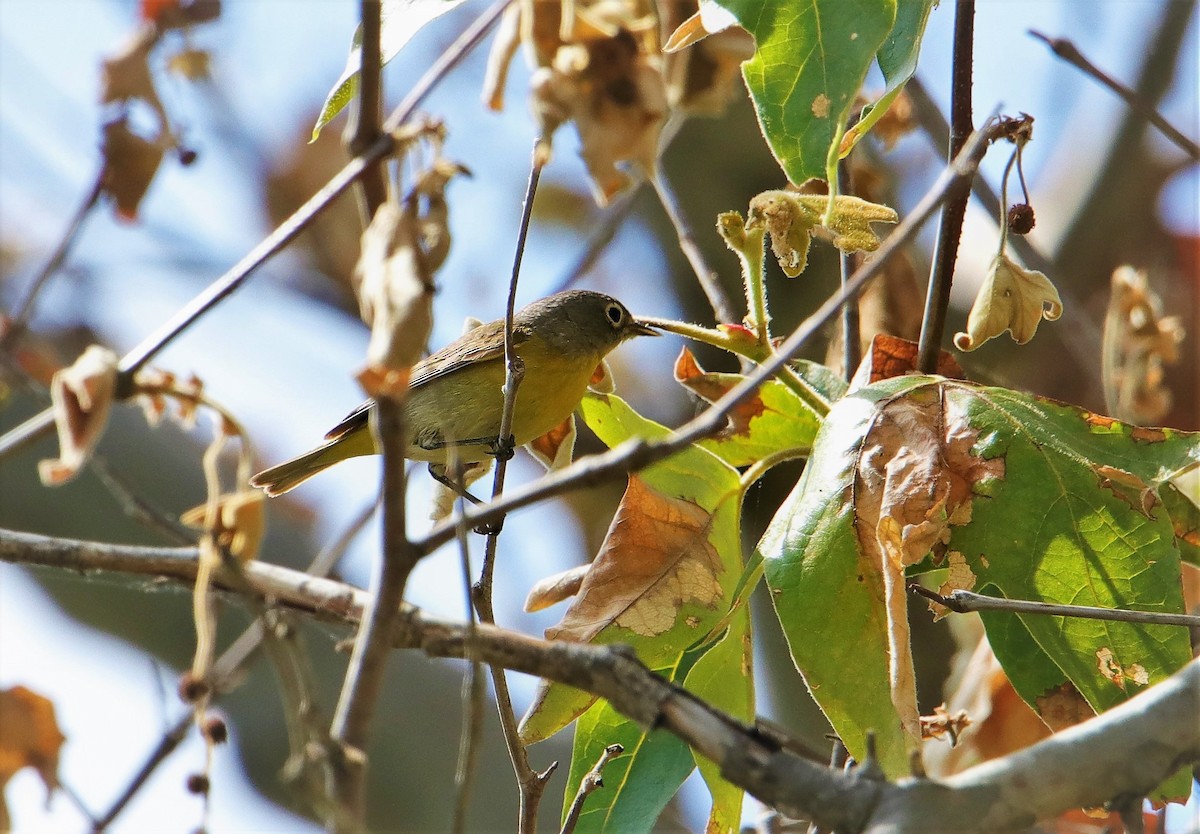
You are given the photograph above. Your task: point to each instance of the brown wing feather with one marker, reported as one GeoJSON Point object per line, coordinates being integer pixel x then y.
{"type": "Point", "coordinates": [479, 345]}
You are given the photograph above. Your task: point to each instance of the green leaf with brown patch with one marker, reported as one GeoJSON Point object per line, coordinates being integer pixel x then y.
{"type": "Point", "coordinates": [667, 571]}
{"type": "Point", "coordinates": [1043, 501]}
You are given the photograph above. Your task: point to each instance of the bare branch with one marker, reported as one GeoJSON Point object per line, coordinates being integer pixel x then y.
{"type": "Point", "coordinates": [1070, 53]}
{"type": "Point", "coordinates": [941, 274]}
{"type": "Point", "coordinates": [961, 602]}
{"type": "Point", "coordinates": [1083, 766]}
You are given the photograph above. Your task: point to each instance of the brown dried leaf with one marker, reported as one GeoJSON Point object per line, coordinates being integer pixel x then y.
{"type": "Point", "coordinates": [554, 589]}
{"type": "Point", "coordinates": [29, 737]}
{"type": "Point", "coordinates": [914, 479]}
{"type": "Point", "coordinates": [192, 64]}
{"type": "Point", "coordinates": [240, 525]}
{"type": "Point", "coordinates": [703, 59]}
{"type": "Point", "coordinates": [891, 356]}
{"type": "Point", "coordinates": [1012, 298]}
{"type": "Point", "coordinates": [605, 74]}
{"type": "Point", "coordinates": [130, 163]}
{"type": "Point", "coordinates": [1138, 342]}
{"type": "Point", "coordinates": [395, 293]}
{"type": "Point", "coordinates": [81, 398]}
{"type": "Point", "coordinates": [656, 557]}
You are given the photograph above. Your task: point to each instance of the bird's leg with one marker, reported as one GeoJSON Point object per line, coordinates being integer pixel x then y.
{"type": "Point", "coordinates": [438, 472]}
{"type": "Point", "coordinates": [502, 449]}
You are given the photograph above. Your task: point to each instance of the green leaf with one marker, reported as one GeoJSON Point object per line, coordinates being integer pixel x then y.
{"type": "Point", "coordinates": [1077, 519]}
{"type": "Point", "coordinates": [897, 61]}
{"type": "Point", "coordinates": [640, 782]}
{"type": "Point", "coordinates": [1185, 520]}
{"type": "Point", "coordinates": [399, 21]}
{"type": "Point", "coordinates": [827, 601]}
{"type": "Point", "coordinates": [1035, 499]}
{"type": "Point", "coordinates": [810, 61]}
{"type": "Point", "coordinates": [667, 573]}
{"type": "Point", "coordinates": [724, 678]}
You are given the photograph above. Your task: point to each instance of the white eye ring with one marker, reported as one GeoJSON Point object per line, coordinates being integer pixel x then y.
{"type": "Point", "coordinates": [615, 314]}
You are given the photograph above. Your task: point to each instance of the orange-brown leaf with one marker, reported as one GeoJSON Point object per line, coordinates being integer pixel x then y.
{"type": "Point", "coordinates": [891, 356]}
{"type": "Point", "coordinates": [554, 589]}
{"type": "Point", "coordinates": [656, 558]}
{"type": "Point", "coordinates": [29, 736]}
{"type": "Point", "coordinates": [710, 387]}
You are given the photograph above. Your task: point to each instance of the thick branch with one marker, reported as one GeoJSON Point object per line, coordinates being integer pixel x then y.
{"type": "Point", "coordinates": [1086, 765]}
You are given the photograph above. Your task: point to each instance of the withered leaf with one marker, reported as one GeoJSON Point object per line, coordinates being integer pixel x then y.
{"type": "Point", "coordinates": [29, 737]}
{"type": "Point", "coordinates": [657, 557]}
{"type": "Point", "coordinates": [914, 479]}
{"type": "Point", "coordinates": [710, 387]}
{"type": "Point", "coordinates": [1012, 298]}
{"type": "Point", "coordinates": [82, 397]}
{"type": "Point", "coordinates": [554, 589]}
{"type": "Point", "coordinates": [555, 448]}
{"type": "Point", "coordinates": [130, 163]}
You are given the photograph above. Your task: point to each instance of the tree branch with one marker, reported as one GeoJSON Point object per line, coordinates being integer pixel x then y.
{"type": "Point", "coordinates": [1082, 766]}
{"type": "Point", "coordinates": [941, 275]}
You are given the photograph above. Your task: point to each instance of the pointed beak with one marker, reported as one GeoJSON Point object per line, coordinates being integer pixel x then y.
{"type": "Point", "coordinates": [636, 328]}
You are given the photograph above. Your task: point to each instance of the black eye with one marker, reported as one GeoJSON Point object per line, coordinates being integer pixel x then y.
{"type": "Point", "coordinates": [615, 313]}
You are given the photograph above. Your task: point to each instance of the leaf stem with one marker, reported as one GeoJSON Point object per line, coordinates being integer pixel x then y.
{"type": "Point", "coordinates": [963, 602]}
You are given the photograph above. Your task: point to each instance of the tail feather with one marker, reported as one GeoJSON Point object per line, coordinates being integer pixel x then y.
{"type": "Point", "coordinates": [290, 474]}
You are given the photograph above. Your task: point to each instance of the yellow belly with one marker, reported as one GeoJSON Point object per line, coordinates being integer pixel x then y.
{"type": "Point", "coordinates": [464, 408]}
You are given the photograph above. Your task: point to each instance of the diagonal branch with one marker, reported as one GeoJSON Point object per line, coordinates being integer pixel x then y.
{"type": "Point", "coordinates": [636, 454]}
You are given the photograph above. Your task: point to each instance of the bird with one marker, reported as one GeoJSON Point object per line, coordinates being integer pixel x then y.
{"type": "Point", "coordinates": [455, 398]}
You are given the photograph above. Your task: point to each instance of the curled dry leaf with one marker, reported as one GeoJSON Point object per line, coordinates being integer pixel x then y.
{"type": "Point", "coordinates": [554, 589]}
{"type": "Point", "coordinates": [791, 220]}
{"type": "Point", "coordinates": [240, 525]}
{"type": "Point", "coordinates": [555, 448]}
{"type": "Point", "coordinates": [1012, 298]}
{"type": "Point", "coordinates": [704, 56]}
{"type": "Point", "coordinates": [710, 387]}
{"type": "Point", "coordinates": [130, 163]}
{"type": "Point", "coordinates": [1138, 342]}
{"type": "Point", "coordinates": [81, 398]}
{"type": "Point", "coordinates": [598, 65]}
{"type": "Point", "coordinates": [29, 737]}
{"type": "Point", "coordinates": [395, 295]}
{"type": "Point", "coordinates": [915, 478]}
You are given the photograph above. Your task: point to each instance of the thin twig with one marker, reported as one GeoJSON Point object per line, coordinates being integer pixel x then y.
{"type": "Point", "coordinates": [530, 783]}
{"type": "Point", "coordinates": [20, 318]}
{"type": "Point", "coordinates": [38, 425]}
{"type": "Point", "coordinates": [592, 781]}
{"type": "Point", "coordinates": [363, 130]}
{"type": "Point", "coordinates": [710, 281]}
{"type": "Point", "coordinates": [636, 453]}
{"type": "Point", "coordinates": [618, 212]}
{"type": "Point", "coordinates": [838, 757]}
{"type": "Point", "coordinates": [962, 602]}
{"type": "Point", "coordinates": [941, 275]}
{"type": "Point", "coordinates": [1070, 53]}
{"type": "Point", "coordinates": [472, 688]}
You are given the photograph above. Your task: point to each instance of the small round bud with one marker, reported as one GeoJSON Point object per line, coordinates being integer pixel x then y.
{"type": "Point", "coordinates": [1021, 219]}
{"type": "Point", "coordinates": [216, 731]}
{"type": "Point", "coordinates": [197, 783]}
{"type": "Point", "coordinates": [186, 156]}
{"type": "Point", "coordinates": [192, 688]}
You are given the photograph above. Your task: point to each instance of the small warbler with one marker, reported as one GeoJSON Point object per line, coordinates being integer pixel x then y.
{"type": "Point", "coordinates": [455, 396]}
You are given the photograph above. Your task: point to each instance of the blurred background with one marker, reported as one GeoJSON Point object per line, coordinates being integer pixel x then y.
{"type": "Point", "coordinates": [280, 353]}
